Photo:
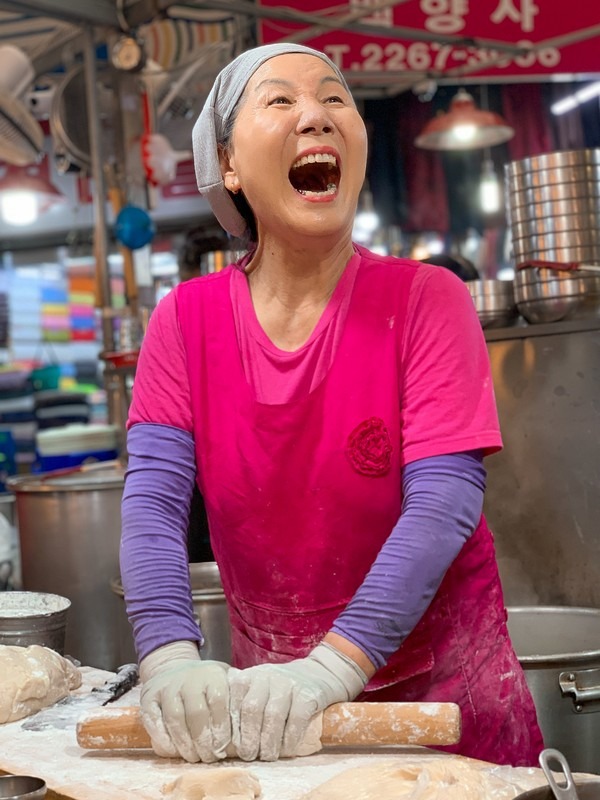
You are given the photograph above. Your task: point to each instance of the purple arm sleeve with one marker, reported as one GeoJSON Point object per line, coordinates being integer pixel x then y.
{"type": "Point", "coordinates": [154, 523]}
{"type": "Point", "coordinates": [443, 499]}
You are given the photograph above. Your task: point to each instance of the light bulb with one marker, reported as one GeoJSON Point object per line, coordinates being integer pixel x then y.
{"type": "Point", "coordinates": [464, 133]}
{"type": "Point", "coordinates": [19, 207]}
{"type": "Point", "coordinates": [489, 190]}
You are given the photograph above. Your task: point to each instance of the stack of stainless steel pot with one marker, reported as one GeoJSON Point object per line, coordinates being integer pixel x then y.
{"type": "Point", "coordinates": [553, 206]}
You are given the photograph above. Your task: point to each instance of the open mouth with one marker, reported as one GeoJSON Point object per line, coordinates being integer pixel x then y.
{"type": "Point", "coordinates": [315, 175]}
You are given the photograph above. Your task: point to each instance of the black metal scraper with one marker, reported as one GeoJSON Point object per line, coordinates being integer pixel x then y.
{"type": "Point", "coordinates": [65, 713]}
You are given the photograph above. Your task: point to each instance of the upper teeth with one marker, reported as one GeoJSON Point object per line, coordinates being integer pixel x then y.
{"type": "Point", "coordinates": [326, 158]}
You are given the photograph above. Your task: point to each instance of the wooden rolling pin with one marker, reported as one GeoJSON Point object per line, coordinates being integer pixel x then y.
{"type": "Point", "coordinates": [348, 724]}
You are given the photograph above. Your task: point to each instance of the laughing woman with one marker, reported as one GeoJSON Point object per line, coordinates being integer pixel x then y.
{"type": "Point", "coordinates": [334, 408]}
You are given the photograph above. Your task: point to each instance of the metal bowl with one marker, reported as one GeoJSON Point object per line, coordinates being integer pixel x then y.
{"type": "Point", "coordinates": [585, 791]}
{"type": "Point", "coordinates": [28, 618]}
{"type": "Point", "coordinates": [551, 161]}
{"type": "Point", "coordinates": [494, 301]}
{"type": "Point", "coordinates": [574, 191]}
{"type": "Point", "coordinates": [543, 294]}
{"type": "Point", "coordinates": [522, 251]}
{"type": "Point", "coordinates": [21, 787]}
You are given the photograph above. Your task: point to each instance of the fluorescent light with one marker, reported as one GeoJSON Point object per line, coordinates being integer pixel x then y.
{"type": "Point", "coordinates": [589, 91]}
{"type": "Point", "coordinates": [574, 100]}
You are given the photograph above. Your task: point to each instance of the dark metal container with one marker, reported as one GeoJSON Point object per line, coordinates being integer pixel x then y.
{"type": "Point", "coordinates": [21, 787]}
{"type": "Point", "coordinates": [559, 649]}
{"type": "Point", "coordinates": [70, 530]}
{"type": "Point", "coordinates": [585, 791]}
{"type": "Point", "coordinates": [210, 609]}
{"type": "Point", "coordinates": [28, 618]}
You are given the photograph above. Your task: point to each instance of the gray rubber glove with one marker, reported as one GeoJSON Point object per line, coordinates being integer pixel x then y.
{"type": "Point", "coordinates": [185, 703]}
{"type": "Point", "coordinates": [272, 704]}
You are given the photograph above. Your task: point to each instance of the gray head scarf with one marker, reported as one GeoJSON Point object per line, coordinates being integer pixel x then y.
{"type": "Point", "coordinates": [220, 104]}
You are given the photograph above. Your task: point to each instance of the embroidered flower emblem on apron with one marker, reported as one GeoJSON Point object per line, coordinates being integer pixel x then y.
{"type": "Point", "coordinates": [369, 448]}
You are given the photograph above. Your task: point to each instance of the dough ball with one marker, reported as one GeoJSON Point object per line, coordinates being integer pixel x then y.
{"type": "Point", "coordinates": [32, 678]}
{"type": "Point", "coordinates": [445, 778]}
{"type": "Point", "coordinates": [214, 783]}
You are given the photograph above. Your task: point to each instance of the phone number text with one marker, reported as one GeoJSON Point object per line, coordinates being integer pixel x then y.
{"type": "Point", "coordinates": [425, 56]}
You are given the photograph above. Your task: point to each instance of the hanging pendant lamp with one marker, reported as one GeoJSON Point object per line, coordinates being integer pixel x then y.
{"type": "Point", "coordinates": [464, 127]}
{"type": "Point", "coordinates": [25, 193]}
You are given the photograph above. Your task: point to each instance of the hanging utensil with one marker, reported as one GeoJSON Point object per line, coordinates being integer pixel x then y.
{"type": "Point", "coordinates": [566, 792]}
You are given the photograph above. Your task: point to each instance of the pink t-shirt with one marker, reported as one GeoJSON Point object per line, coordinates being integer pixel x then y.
{"type": "Point", "coordinates": [279, 376]}
{"type": "Point", "coordinates": [448, 396]}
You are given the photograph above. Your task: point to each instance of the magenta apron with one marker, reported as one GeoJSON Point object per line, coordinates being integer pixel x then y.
{"type": "Point", "coordinates": [300, 498]}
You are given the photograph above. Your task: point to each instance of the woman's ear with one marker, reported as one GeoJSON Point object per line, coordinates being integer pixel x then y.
{"type": "Point", "coordinates": [230, 178]}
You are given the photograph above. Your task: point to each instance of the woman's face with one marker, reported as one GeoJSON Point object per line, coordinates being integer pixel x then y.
{"type": "Point", "coordinates": [298, 150]}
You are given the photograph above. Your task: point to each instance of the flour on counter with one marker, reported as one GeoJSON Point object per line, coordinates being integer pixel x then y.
{"type": "Point", "coordinates": [140, 775]}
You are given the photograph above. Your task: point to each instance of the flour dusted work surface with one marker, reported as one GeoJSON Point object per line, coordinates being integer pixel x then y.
{"type": "Point", "coordinates": [227, 783]}
{"type": "Point", "coordinates": [76, 774]}
{"type": "Point", "coordinates": [32, 678]}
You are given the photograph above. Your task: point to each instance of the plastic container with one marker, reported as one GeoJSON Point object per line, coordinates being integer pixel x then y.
{"type": "Point", "coordinates": [49, 463]}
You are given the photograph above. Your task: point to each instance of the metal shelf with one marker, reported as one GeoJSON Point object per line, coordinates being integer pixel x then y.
{"type": "Point", "coordinates": [525, 331]}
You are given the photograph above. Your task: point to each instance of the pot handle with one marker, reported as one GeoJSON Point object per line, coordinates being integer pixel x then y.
{"type": "Point", "coordinates": [566, 792]}
{"type": "Point", "coordinates": [584, 689]}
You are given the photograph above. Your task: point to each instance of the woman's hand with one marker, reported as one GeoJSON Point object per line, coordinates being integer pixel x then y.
{"type": "Point", "coordinates": [272, 704]}
{"type": "Point", "coordinates": [185, 703]}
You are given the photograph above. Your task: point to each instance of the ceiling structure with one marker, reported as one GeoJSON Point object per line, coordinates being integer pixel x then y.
{"type": "Point", "coordinates": [45, 28]}
{"type": "Point", "coordinates": [384, 47]}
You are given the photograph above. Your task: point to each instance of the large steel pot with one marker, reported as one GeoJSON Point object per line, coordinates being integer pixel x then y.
{"type": "Point", "coordinates": [210, 609]}
{"type": "Point", "coordinates": [69, 532]}
{"type": "Point", "coordinates": [559, 649]}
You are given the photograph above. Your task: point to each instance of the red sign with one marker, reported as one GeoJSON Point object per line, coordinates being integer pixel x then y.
{"type": "Point", "coordinates": [452, 37]}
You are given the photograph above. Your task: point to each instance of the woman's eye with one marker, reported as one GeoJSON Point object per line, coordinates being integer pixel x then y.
{"type": "Point", "coordinates": [278, 101]}
{"type": "Point", "coordinates": [334, 99]}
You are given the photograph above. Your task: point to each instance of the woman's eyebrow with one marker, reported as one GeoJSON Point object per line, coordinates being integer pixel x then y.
{"type": "Point", "coordinates": [273, 82]}
{"type": "Point", "coordinates": [288, 85]}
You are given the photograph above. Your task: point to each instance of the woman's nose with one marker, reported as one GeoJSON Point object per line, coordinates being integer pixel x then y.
{"type": "Point", "coordinates": [314, 118]}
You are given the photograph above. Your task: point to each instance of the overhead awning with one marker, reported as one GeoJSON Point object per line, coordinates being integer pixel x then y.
{"type": "Point", "coordinates": [445, 39]}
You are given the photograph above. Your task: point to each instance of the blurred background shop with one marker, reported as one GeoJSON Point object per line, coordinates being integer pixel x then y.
{"type": "Point", "coordinates": [484, 126]}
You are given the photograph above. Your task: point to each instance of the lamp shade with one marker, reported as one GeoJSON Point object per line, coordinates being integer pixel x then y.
{"type": "Point", "coordinates": [25, 193]}
{"type": "Point", "coordinates": [464, 127]}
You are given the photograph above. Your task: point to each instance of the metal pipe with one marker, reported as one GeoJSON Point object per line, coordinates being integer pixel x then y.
{"type": "Point", "coordinates": [100, 237]}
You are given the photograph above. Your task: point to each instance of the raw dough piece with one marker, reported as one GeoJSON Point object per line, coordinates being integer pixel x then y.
{"type": "Point", "coordinates": [210, 783]}
{"type": "Point", "coordinates": [32, 678]}
{"type": "Point", "coordinates": [438, 779]}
